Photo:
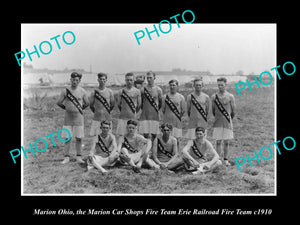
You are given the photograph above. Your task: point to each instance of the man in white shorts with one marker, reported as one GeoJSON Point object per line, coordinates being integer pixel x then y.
{"type": "Point", "coordinates": [104, 149]}
{"type": "Point", "coordinates": [101, 103]}
{"type": "Point", "coordinates": [195, 154]}
{"type": "Point", "coordinates": [134, 149]}
{"type": "Point", "coordinates": [173, 109]}
{"type": "Point", "coordinates": [197, 104]}
{"type": "Point", "coordinates": [223, 109]}
{"type": "Point", "coordinates": [129, 102]}
{"type": "Point", "coordinates": [73, 100]}
{"type": "Point", "coordinates": [151, 104]}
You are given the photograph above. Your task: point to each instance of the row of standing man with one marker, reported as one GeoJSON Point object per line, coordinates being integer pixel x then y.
{"type": "Point", "coordinates": [149, 103]}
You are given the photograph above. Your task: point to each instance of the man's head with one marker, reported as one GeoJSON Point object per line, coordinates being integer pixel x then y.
{"type": "Point", "coordinates": [222, 81]}
{"type": "Point", "coordinates": [200, 132]}
{"type": "Point", "coordinates": [75, 79]}
{"type": "Point", "coordinates": [102, 78]}
{"type": "Point", "coordinates": [166, 129]}
{"type": "Point", "coordinates": [150, 77]}
{"type": "Point", "coordinates": [105, 126]}
{"type": "Point", "coordinates": [173, 85]}
{"type": "Point", "coordinates": [198, 84]}
{"type": "Point", "coordinates": [131, 126]}
{"type": "Point", "coordinates": [129, 79]}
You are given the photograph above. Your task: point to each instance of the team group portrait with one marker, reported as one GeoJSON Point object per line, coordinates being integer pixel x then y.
{"type": "Point", "coordinates": [163, 118]}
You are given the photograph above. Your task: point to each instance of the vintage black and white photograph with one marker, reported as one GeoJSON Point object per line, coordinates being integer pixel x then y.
{"type": "Point", "coordinates": [148, 109]}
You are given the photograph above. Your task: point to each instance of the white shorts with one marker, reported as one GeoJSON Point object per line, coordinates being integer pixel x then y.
{"type": "Point", "coordinates": [107, 161]}
{"type": "Point", "coordinates": [121, 127]}
{"type": "Point", "coordinates": [190, 134]}
{"type": "Point", "coordinates": [221, 133]}
{"type": "Point", "coordinates": [95, 128]}
{"type": "Point", "coordinates": [76, 131]}
{"type": "Point", "coordinates": [149, 127]}
{"type": "Point", "coordinates": [176, 132]}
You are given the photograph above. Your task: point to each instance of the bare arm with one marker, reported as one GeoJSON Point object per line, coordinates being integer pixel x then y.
{"type": "Point", "coordinates": [92, 151]}
{"type": "Point", "coordinates": [112, 101]}
{"type": "Point", "coordinates": [92, 101]}
{"type": "Point", "coordinates": [61, 100]}
{"type": "Point", "coordinates": [215, 155]}
{"type": "Point", "coordinates": [120, 142]}
{"type": "Point", "coordinates": [183, 107]}
{"type": "Point", "coordinates": [86, 101]}
{"type": "Point", "coordinates": [213, 105]}
{"type": "Point", "coordinates": [188, 105]}
{"type": "Point", "coordinates": [233, 106]}
{"type": "Point", "coordinates": [207, 105]}
{"type": "Point", "coordinates": [139, 101]}
{"type": "Point", "coordinates": [159, 97]}
{"type": "Point", "coordinates": [186, 153]}
{"type": "Point", "coordinates": [114, 145]}
{"type": "Point", "coordinates": [154, 152]}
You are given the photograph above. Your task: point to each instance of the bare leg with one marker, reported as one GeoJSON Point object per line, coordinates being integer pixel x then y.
{"type": "Point", "coordinates": [78, 146]}
{"type": "Point", "coordinates": [226, 149]}
{"type": "Point", "coordinates": [219, 147]}
{"type": "Point", "coordinates": [67, 152]}
{"type": "Point", "coordinates": [175, 162]}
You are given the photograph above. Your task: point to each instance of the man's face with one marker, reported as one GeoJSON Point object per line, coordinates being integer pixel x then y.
{"type": "Point", "coordinates": [105, 128]}
{"type": "Point", "coordinates": [131, 128]}
{"type": "Point", "coordinates": [102, 81]}
{"type": "Point", "coordinates": [199, 134]}
{"type": "Point", "coordinates": [150, 79]}
{"type": "Point", "coordinates": [166, 131]}
{"type": "Point", "coordinates": [198, 85]}
{"type": "Point", "coordinates": [221, 85]}
{"type": "Point", "coordinates": [129, 81]}
{"type": "Point", "coordinates": [173, 87]}
{"type": "Point", "coordinates": [75, 81]}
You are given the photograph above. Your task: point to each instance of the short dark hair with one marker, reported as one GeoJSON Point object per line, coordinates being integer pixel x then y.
{"type": "Point", "coordinates": [102, 75]}
{"type": "Point", "coordinates": [132, 122]}
{"type": "Point", "coordinates": [105, 122]}
{"type": "Point", "coordinates": [200, 129]}
{"type": "Point", "coordinates": [151, 72]}
{"type": "Point", "coordinates": [198, 79]}
{"type": "Point", "coordinates": [222, 79]}
{"type": "Point", "coordinates": [129, 74]}
{"type": "Point", "coordinates": [173, 81]}
{"type": "Point", "coordinates": [75, 74]}
{"type": "Point", "coordinates": [162, 127]}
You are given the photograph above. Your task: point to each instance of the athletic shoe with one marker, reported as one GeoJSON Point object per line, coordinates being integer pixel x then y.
{"type": "Point", "coordinates": [226, 162]}
{"type": "Point", "coordinates": [199, 170]}
{"type": "Point", "coordinates": [66, 160]}
{"type": "Point", "coordinates": [79, 159]}
{"type": "Point", "coordinates": [136, 169]}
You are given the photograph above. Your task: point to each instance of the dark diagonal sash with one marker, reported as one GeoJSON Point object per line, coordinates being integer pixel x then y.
{"type": "Point", "coordinates": [199, 107]}
{"type": "Point", "coordinates": [102, 100]}
{"type": "Point", "coordinates": [173, 107]}
{"type": "Point", "coordinates": [150, 99]}
{"type": "Point", "coordinates": [128, 146]}
{"type": "Point", "coordinates": [222, 109]}
{"type": "Point", "coordinates": [129, 101]}
{"type": "Point", "coordinates": [196, 150]}
{"type": "Point", "coordinates": [102, 145]}
{"type": "Point", "coordinates": [74, 100]}
{"type": "Point", "coordinates": [161, 148]}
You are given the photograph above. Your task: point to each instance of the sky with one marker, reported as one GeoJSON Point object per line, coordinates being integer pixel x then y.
{"type": "Point", "coordinates": [112, 48]}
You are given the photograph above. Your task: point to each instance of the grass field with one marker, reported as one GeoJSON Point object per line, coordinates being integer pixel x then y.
{"type": "Point", "coordinates": [253, 129]}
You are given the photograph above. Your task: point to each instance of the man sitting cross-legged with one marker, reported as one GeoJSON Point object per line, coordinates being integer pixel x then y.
{"type": "Point", "coordinates": [164, 149]}
{"type": "Point", "coordinates": [134, 149]}
{"type": "Point", "coordinates": [104, 149]}
{"type": "Point", "coordinates": [194, 154]}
